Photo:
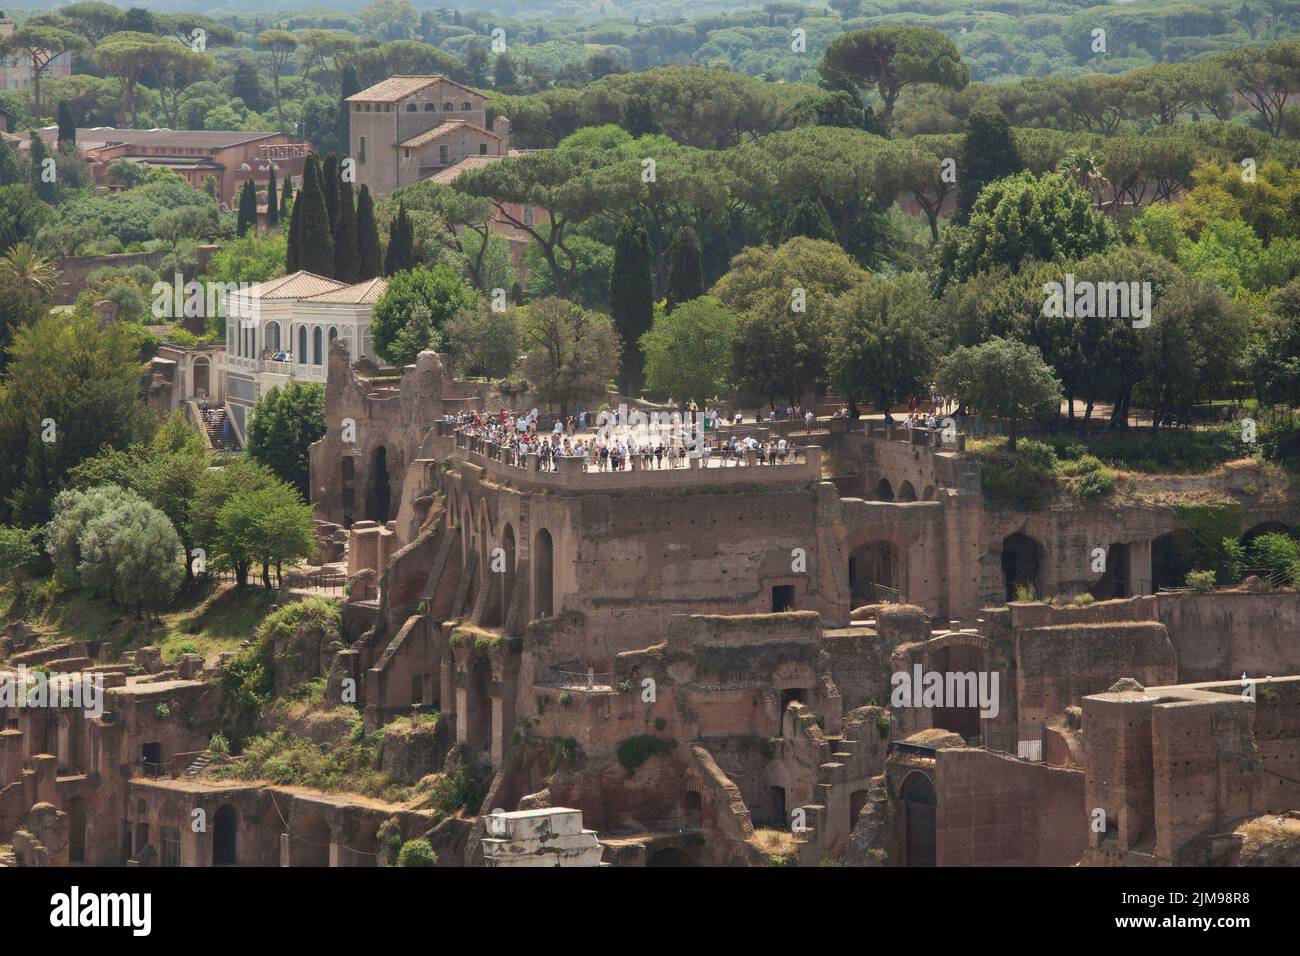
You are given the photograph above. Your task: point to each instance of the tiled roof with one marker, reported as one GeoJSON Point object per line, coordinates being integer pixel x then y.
{"type": "Point", "coordinates": [465, 165]}
{"type": "Point", "coordinates": [398, 87]}
{"type": "Point", "coordinates": [296, 285]}
{"type": "Point", "coordinates": [362, 293]}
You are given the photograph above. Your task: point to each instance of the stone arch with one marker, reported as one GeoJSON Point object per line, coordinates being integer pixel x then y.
{"type": "Point", "coordinates": [928, 494]}
{"type": "Point", "coordinates": [225, 836]}
{"type": "Point", "coordinates": [1113, 582]}
{"type": "Point", "coordinates": [202, 376]}
{"type": "Point", "coordinates": [671, 856]}
{"type": "Point", "coordinates": [543, 575]}
{"type": "Point", "coordinates": [906, 492]}
{"type": "Point", "coordinates": [920, 805]}
{"type": "Point", "coordinates": [309, 841]}
{"type": "Point", "coordinates": [884, 490]}
{"type": "Point", "coordinates": [1021, 563]}
{"type": "Point", "coordinates": [302, 345]}
{"type": "Point", "coordinates": [317, 347]}
{"type": "Point", "coordinates": [1265, 527]}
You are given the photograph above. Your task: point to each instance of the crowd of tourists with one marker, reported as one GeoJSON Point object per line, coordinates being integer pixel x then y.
{"type": "Point", "coordinates": [611, 444]}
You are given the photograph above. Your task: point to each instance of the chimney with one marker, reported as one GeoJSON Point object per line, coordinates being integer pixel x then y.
{"type": "Point", "coordinates": [501, 126]}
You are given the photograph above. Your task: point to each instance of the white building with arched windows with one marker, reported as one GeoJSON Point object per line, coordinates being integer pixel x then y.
{"type": "Point", "coordinates": [281, 330]}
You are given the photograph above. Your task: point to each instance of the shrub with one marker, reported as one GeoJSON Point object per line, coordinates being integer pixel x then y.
{"type": "Point", "coordinates": [1082, 600]}
{"type": "Point", "coordinates": [1275, 551]}
{"type": "Point", "coordinates": [634, 751]}
{"type": "Point", "coordinates": [219, 745]}
{"type": "Point", "coordinates": [883, 724]}
{"type": "Point", "coordinates": [1024, 479]}
{"type": "Point", "coordinates": [1026, 592]}
{"type": "Point", "coordinates": [162, 712]}
{"type": "Point", "coordinates": [1095, 485]}
{"type": "Point", "coordinates": [1200, 580]}
{"type": "Point", "coordinates": [417, 853]}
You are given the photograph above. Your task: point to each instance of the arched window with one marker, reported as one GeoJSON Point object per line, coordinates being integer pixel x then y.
{"type": "Point", "coordinates": [465, 107]}
{"type": "Point", "coordinates": [448, 107]}
{"type": "Point", "coordinates": [334, 334]}
{"type": "Point", "coordinates": [302, 345]}
{"type": "Point", "coordinates": [431, 107]}
{"type": "Point", "coordinates": [317, 352]}
{"type": "Point", "coordinates": [272, 336]}
{"type": "Point", "coordinates": [411, 108]}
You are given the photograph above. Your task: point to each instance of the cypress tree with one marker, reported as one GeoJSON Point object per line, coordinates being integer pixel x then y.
{"type": "Point", "coordinates": [631, 299]}
{"type": "Point", "coordinates": [247, 209]}
{"type": "Point", "coordinates": [685, 275]}
{"type": "Point", "coordinates": [272, 201]}
{"type": "Point", "coordinates": [9, 172]}
{"type": "Point", "coordinates": [67, 127]}
{"type": "Point", "coordinates": [401, 244]}
{"type": "Point", "coordinates": [315, 238]}
{"type": "Point", "coordinates": [368, 257]}
{"type": "Point", "coordinates": [286, 197]}
{"type": "Point", "coordinates": [42, 182]}
{"type": "Point", "coordinates": [292, 261]}
{"type": "Point", "coordinates": [988, 153]}
{"type": "Point", "coordinates": [346, 252]}
{"type": "Point", "coordinates": [807, 218]}
{"type": "Point", "coordinates": [329, 184]}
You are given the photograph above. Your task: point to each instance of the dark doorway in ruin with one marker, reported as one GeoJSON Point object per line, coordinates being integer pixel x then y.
{"type": "Point", "coordinates": [225, 830]}
{"type": "Point", "coordinates": [1114, 580]}
{"type": "Point", "coordinates": [961, 659]}
{"type": "Point", "coordinates": [348, 489]}
{"type": "Point", "coordinates": [919, 805]}
{"type": "Point", "coordinates": [871, 568]}
{"type": "Point", "coordinates": [543, 576]}
{"type": "Point", "coordinates": [1265, 527]}
{"type": "Point", "coordinates": [776, 806]}
{"type": "Point", "coordinates": [789, 695]}
{"type": "Point", "coordinates": [1172, 556]}
{"type": "Point", "coordinates": [380, 490]}
{"type": "Point", "coordinates": [782, 598]}
{"type": "Point", "coordinates": [884, 490]}
{"type": "Point", "coordinates": [857, 800]}
{"type": "Point", "coordinates": [1020, 560]}
{"type": "Point", "coordinates": [77, 830]}
{"type": "Point", "coordinates": [906, 492]}
{"type": "Point", "coordinates": [151, 757]}
{"type": "Point", "coordinates": [670, 856]}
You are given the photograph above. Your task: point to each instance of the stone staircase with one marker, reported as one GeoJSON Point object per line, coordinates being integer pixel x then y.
{"type": "Point", "coordinates": [199, 765]}
{"type": "Point", "coordinates": [214, 424]}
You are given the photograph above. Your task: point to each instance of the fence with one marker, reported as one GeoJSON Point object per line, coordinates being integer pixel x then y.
{"type": "Point", "coordinates": [585, 680]}
{"type": "Point", "coordinates": [1025, 741]}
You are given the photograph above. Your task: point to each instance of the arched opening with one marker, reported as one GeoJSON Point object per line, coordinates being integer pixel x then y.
{"type": "Point", "coordinates": [873, 574]}
{"type": "Point", "coordinates": [906, 492]}
{"type": "Point", "coordinates": [1265, 527]}
{"type": "Point", "coordinates": [362, 849]}
{"type": "Point", "coordinates": [225, 829]}
{"type": "Point", "coordinates": [302, 345]}
{"type": "Point", "coordinates": [692, 805]}
{"type": "Point", "coordinates": [271, 336]}
{"type": "Point", "coordinates": [919, 804]}
{"type": "Point", "coordinates": [317, 347]}
{"type": "Point", "coordinates": [543, 576]}
{"type": "Point", "coordinates": [960, 665]}
{"type": "Point", "coordinates": [508, 575]}
{"type": "Point", "coordinates": [380, 492]}
{"type": "Point", "coordinates": [670, 856]}
{"type": "Point", "coordinates": [309, 842]}
{"type": "Point", "coordinates": [1113, 582]}
{"type": "Point", "coordinates": [202, 376]}
{"type": "Point", "coordinates": [789, 696]}
{"type": "Point", "coordinates": [1020, 560]}
{"type": "Point", "coordinates": [884, 490]}
{"type": "Point", "coordinates": [334, 334]}
{"type": "Point", "coordinates": [928, 494]}
{"type": "Point", "coordinates": [857, 800]}
{"type": "Point", "coordinates": [77, 830]}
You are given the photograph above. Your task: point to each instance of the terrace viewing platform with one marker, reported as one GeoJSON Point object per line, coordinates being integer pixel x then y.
{"type": "Point", "coordinates": [802, 466]}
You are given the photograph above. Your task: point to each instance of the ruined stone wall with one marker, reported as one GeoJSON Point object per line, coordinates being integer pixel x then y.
{"type": "Point", "coordinates": [995, 810]}
{"type": "Point", "coordinates": [1221, 635]}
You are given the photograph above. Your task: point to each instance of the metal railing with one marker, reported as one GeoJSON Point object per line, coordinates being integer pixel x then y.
{"type": "Point", "coordinates": [585, 680]}
{"type": "Point", "coordinates": [886, 595]}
